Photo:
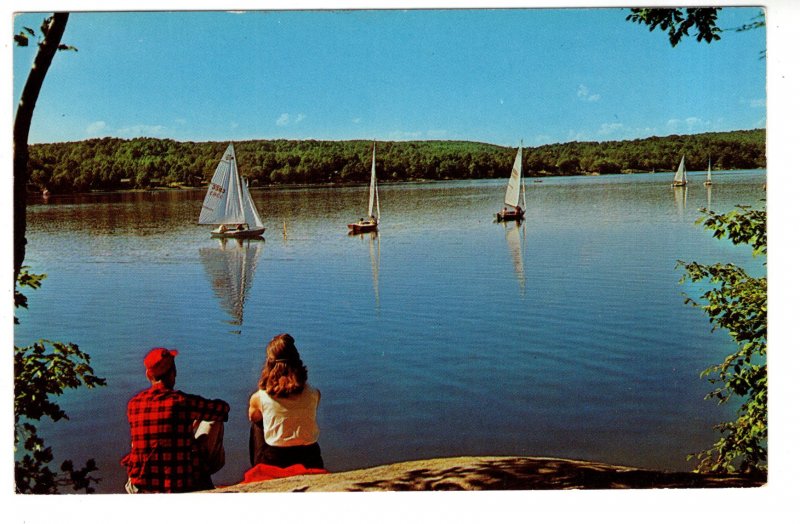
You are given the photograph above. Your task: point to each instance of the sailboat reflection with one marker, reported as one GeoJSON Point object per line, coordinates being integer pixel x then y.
{"type": "Point", "coordinates": [680, 193]}
{"type": "Point", "coordinates": [375, 259]}
{"type": "Point", "coordinates": [230, 268]}
{"type": "Point", "coordinates": [515, 238]}
{"type": "Point", "coordinates": [708, 197]}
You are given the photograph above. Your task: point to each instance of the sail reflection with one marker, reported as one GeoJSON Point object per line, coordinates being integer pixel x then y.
{"type": "Point", "coordinates": [230, 267]}
{"type": "Point", "coordinates": [708, 197]}
{"type": "Point", "coordinates": [680, 194]}
{"type": "Point", "coordinates": [375, 258]}
{"type": "Point", "coordinates": [515, 238]}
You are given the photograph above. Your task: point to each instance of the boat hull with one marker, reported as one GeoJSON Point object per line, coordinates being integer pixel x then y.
{"type": "Point", "coordinates": [246, 233]}
{"type": "Point", "coordinates": [504, 216]}
{"type": "Point", "coordinates": [362, 227]}
{"type": "Point", "coordinates": [679, 184]}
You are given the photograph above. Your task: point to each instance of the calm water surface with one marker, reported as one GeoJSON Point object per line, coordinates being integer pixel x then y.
{"type": "Point", "coordinates": [447, 334]}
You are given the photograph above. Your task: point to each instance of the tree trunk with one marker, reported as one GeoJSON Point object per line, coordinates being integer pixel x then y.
{"type": "Point", "coordinates": [53, 31]}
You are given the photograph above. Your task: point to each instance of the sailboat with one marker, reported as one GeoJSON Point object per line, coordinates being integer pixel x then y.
{"type": "Point", "coordinates": [708, 176]}
{"type": "Point", "coordinates": [515, 188]}
{"type": "Point", "coordinates": [228, 202]}
{"type": "Point", "coordinates": [374, 208]}
{"type": "Point", "coordinates": [680, 174]}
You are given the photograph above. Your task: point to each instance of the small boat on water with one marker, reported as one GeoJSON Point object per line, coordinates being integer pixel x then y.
{"type": "Point", "coordinates": [680, 174]}
{"type": "Point", "coordinates": [374, 207]}
{"type": "Point", "coordinates": [708, 175]}
{"type": "Point", "coordinates": [229, 204]}
{"type": "Point", "coordinates": [514, 190]}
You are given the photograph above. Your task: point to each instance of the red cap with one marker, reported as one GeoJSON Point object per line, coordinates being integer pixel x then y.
{"type": "Point", "coordinates": [158, 360]}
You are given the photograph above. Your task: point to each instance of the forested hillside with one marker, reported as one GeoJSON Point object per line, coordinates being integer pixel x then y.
{"type": "Point", "coordinates": [113, 163]}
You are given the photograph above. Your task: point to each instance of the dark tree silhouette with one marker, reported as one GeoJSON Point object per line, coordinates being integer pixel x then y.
{"type": "Point", "coordinates": [52, 31]}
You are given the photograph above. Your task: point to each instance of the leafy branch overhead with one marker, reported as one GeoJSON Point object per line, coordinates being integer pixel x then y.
{"type": "Point", "coordinates": [678, 22]}
{"type": "Point", "coordinates": [22, 39]}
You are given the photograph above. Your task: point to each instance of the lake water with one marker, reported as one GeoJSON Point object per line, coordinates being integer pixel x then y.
{"type": "Point", "coordinates": [446, 334]}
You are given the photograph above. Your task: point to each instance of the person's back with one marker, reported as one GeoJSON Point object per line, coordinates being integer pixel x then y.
{"type": "Point", "coordinates": [165, 454]}
{"type": "Point", "coordinates": [292, 420]}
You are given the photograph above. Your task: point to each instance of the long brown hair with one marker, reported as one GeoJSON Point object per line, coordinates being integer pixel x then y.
{"type": "Point", "coordinates": [284, 374]}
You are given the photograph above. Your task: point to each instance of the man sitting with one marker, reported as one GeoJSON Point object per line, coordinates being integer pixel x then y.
{"type": "Point", "coordinates": [176, 438]}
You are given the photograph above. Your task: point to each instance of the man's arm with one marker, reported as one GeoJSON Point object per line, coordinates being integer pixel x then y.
{"type": "Point", "coordinates": [207, 409]}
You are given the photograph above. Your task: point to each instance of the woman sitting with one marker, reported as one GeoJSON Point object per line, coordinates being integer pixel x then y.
{"type": "Point", "coordinates": [283, 411]}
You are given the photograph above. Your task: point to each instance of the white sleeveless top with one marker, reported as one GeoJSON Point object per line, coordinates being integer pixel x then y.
{"type": "Point", "coordinates": [290, 421]}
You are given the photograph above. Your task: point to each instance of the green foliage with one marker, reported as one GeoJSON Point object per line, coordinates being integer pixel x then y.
{"type": "Point", "coordinates": [43, 371]}
{"type": "Point", "coordinates": [737, 302]}
{"type": "Point", "coordinates": [678, 22]}
{"type": "Point", "coordinates": [111, 163]}
{"type": "Point", "coordinates": [25, 279]}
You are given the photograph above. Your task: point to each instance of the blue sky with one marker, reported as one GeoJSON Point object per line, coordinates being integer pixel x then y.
{"type": "Point", "coordinates": [498, 76]}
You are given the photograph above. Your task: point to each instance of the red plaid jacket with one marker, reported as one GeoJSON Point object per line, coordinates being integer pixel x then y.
{"type": "Point", "coordinates": [163, 457]}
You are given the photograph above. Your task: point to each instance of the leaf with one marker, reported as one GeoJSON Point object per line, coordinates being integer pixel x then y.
{"type": "Point", "coordinates": [21, 40]}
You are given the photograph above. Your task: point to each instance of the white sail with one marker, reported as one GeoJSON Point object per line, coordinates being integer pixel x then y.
{"type": "Point", "coordinates": [708, 176]}
{"type": "Point", "coordinates": [680, 174]}
{"type": "Point", "coordinates": [377, 203]}
{"type": "Point", "coordinates": [373, 190]}
{"type": "Point", "coordinates": [250, 214]}
{"type": "Point", "coordinates": [223, 202]}
{"type": "Point", "coordinates": [515, 182]}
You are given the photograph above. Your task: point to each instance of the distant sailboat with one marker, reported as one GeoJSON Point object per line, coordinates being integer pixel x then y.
{"type": "Point", "coordinates": [230, 268]}
{"type": "Point", "coordinates": [514, 189]}
{"type": "Point", "coordinates": [680, 174]}
{"type": "Point", "coordinates": [228, 202]}
{"type": "Point", "coordinates": [708, 176]}
{"type": "Point", "coordinates": [374, 208]}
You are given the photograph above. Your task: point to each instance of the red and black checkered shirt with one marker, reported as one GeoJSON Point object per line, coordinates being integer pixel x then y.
{"type": "Point", "coordinates": [163, 457]}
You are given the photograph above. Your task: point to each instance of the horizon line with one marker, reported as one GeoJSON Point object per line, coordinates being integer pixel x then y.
{"type": "Point", "coordinates": [309, 139]}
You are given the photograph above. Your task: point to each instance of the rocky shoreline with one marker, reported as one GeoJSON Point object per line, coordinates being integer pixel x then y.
{"type": "Point", "coordinates": [494, 473]}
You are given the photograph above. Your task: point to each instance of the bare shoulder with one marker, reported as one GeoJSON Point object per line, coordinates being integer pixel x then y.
{"type": "Point", "coordinates": [255, 400]}
{"type": "Point", "coordinates": [254, 408]}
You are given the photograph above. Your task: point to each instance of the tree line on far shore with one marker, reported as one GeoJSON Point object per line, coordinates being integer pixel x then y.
{"type": "Point", "coordinates": [108, 164]}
